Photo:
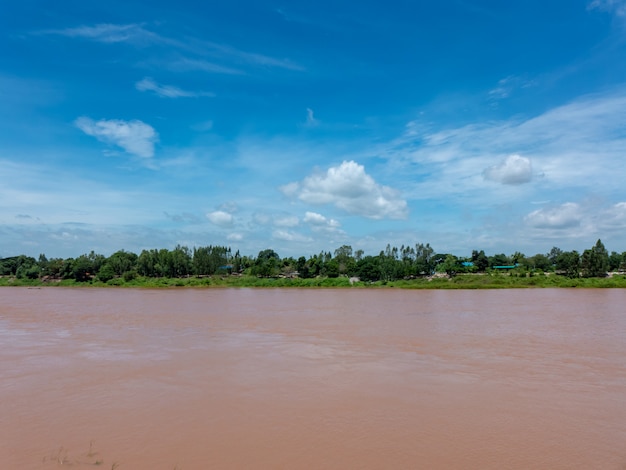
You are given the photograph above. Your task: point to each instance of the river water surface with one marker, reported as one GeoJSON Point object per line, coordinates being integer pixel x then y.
{"type": "Point", "coordinates": [312, 379]}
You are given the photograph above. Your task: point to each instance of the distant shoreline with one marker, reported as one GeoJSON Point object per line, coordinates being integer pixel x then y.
{"type": "Point", "coordinates": [461, 281]}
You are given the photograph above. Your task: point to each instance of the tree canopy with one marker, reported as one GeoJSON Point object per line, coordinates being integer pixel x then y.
{"type": "Point", "coordinates": [392, 263]}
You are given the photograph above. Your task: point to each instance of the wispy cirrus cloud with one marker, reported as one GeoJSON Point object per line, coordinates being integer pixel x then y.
{"type": "Point", "coordinates": [508, 85]}
{"type": "Point", "coordinates": [138, 35]}
{"type": "Point", "coordinates": [135, 137]}
{"type": "Point", "coordinates": [311, 120]}
{"type": "Point", "coordinates": [186, 64]}
{"type": "Point", "coordinates": [184, 217]}
{"type": "Point", "coordinates": [168, 91]}
{"type": "Point", "coordinates": [351, 189]}
{"type": "Point", "coordinates": [617, 7]}
{"type": "Point", "coordinates": [109, 33]}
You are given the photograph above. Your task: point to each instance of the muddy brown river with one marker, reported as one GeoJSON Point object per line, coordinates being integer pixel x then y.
{"type": "Point", "coordinates": [312, 379]}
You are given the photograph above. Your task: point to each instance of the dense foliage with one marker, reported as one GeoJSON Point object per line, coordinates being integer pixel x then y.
{"type": "Point", "coordinates": [391, 264]}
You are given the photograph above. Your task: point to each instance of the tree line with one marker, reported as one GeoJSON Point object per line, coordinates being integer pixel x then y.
{"type": "Point", "coordinates": [392, 263]}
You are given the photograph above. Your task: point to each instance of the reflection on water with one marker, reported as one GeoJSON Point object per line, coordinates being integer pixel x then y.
{"type": "Point", "coordinates": [243, 378]}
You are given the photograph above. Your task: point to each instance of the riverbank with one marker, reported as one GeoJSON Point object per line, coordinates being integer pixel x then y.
{"type": "Point", "coordinates": [461, 281]}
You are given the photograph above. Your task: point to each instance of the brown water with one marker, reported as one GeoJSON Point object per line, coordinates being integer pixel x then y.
{"type": "Point", "coordinates": [312, 379]}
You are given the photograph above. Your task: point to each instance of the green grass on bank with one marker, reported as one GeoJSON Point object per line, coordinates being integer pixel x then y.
{"type": "Point", "coordinates": [462, 281]}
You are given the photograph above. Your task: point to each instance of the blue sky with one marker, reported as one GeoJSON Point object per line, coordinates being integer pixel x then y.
{"type": "Point", "coordinates": [304, 126]}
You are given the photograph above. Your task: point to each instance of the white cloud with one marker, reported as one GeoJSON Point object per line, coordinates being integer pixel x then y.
{"type": "Point", "coordinates": [168, 91]}
{"type": "Point", "coordinates": [138, 35]}
{"type": "Point", "coordinates": [614, 218]}
{"type": "Point", "coordinates": [508, 85]}
{"type": "Point", "coordinates": [514, 170]}
{"type": "Point", "coordinates": [220, 218]}
{"type": "Point", "coordinates": [286, 221]}
{"type": "Point", "coordinates": [565, 216]}
{"type": "Point", "coordinates": [570, 147]}
{"type": "Point", "coordinates": [185, 217]}
{"type": "Point", "coordinates": [503, 89]}
{"type": "Point", "coordinates": [351, 189]}
{"type": "Point", "coordinates": [229, 206]}
{"type": "Point", "coordinates": [310, 118]}
{"type": "Point", "coordinates": [203, 126]}
{"type": "Point", "coordinates": [185, 64]}
{"type": "Point", "coordinates": [319, 223]}
{"type": "Point", "coordinates": [314, 218]}
{"type": "Point", "coordinates": [234, 237]}
{"type": "Point", "coordinates": [280, 219]}
{"type": "Point", "coordinates": [110, 33]}
{"type": "Point", "coordinates": [614, 6]}
{"type": "Point", "coordinates": [135, 137]}
{"type": "Point", "coordinates": [291, 189]}
{"type": "Point", "coordinates": [287, 236]}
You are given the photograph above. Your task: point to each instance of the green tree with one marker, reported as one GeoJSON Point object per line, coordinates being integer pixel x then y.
{"type": "Point", "coordinates": [345, 261]}
{"type": "Point", "coordinates": [480, 260]}
{"type": "Point", "coordinates": [424, 259]}
{"type": "Point", "coordinates": [146, 263]}
{"type": "Point", "coordinates": [106, 273]}
{"type": "Point", "coordinates": [450, 265]}
{"type": "Point", "coordinates": [517, 257]}
{"type": "Point", "coordinates": [554, 254]}
{"type": "Point", "coordinates": [82, 268]}
{"type": "Point", "coordinates": [331, 268]}
{"type": "Point", "coordinates": [208, 260]}
{"type": "Point", "coordinates": [568, 262]}
{"type": "Point", "coordinates": [368, 269]}
{"type": "Point", "coordinates": [121, 262]}
{"type": "Point", "coordinates": [595, 261]}
{"type": "Point", "coordinates": [538, 261]}
{"type": "Point", "coordinates": [28, 272]}
{"type": "Point", "coordinates": [266, 263]}
{"type": "Point", "coordinates": [615, 261]}
{"type": "Point", "coordinates": [499, 260]}
{"type": "Point", "coordinates": [11, 266]}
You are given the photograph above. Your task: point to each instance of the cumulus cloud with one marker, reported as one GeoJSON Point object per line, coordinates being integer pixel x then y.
{"type": "Point", "coordinates": [514, 170]}
{"type": "Point", "coordinates": [168, 91]}
{"type": "Point", "coordinates": [351, 189]}
{"type": "Point", "coordinates": [318, 222]}
{"type": "Point", "coordinates": [221, 218]}
{"type": "Point", "coordinates": [135, 137]}
{"type": "Point", "coordinates": [566, 215]}
{"type": "Point", "coordinates": [314, 218]}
